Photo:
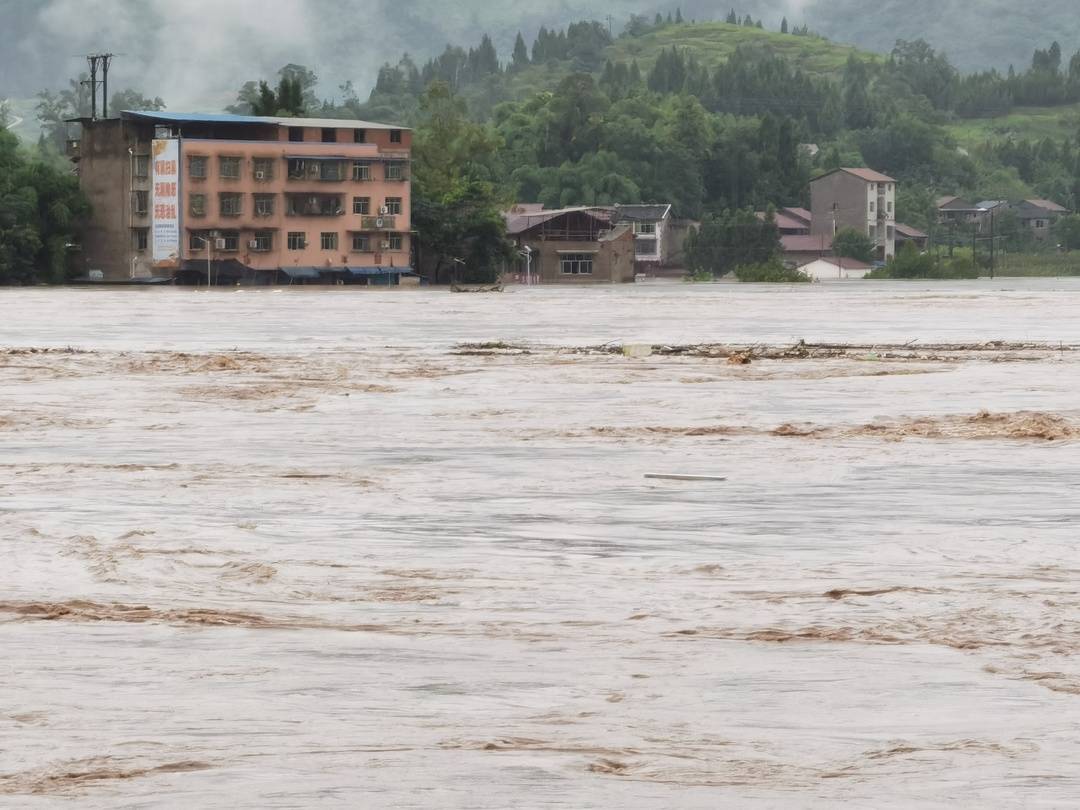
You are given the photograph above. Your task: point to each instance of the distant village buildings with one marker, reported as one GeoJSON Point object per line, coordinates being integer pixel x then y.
{"type": "Point", "coordinates": [198, 198]}
{"type": "Point", "coordinates": [1035, 215]}
{"type": "Point", "coordinates": [613, 244]}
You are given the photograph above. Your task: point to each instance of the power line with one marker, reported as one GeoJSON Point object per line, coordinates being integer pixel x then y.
{"type": "Point", "coordinates": [96, 61]}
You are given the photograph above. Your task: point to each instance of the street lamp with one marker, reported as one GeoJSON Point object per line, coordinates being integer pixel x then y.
{"type": "Point", "coordinates": [526, 252]}
{"type": "Point", "coordinates": [457, 262]}
{"type": "Point", "coordinates": [206, 241]}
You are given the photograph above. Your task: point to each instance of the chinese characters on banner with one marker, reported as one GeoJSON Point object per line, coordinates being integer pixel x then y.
{"type": "Point", "coordinates": [165, 203]}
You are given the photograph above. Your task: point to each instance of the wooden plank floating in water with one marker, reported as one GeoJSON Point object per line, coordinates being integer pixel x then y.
{"type": "Point", "coordinates": [666, 477]}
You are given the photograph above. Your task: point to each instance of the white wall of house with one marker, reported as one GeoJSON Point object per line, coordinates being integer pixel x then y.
{"type": "Point", "coordinates": [649, 241]}
{"type": "Point", "coordinates": [824, 270]}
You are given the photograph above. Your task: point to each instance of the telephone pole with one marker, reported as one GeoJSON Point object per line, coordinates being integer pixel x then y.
{"type": "Point", "coordinates": [98, 61]}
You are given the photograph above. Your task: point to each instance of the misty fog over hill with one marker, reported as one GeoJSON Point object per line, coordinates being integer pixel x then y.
{"type": "Point", "coordinates": [196, 53]}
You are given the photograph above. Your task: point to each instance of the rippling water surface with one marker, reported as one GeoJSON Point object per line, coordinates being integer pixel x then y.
{"type": "Point", "coordinates": [307, 548]}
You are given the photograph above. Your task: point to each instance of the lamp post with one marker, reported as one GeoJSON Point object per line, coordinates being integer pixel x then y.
{"type": "Point", "coordinates": [206, 241]}
{"type": "Point", "coordinates": [526, 252]}
{"type": "Point", "coordinates": [456, 263]}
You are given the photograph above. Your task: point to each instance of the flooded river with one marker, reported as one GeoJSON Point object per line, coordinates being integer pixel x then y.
{"type": "Point", "coordinates": [357, 548]}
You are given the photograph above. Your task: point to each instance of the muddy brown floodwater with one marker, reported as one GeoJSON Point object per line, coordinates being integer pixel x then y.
{"type": "Point", "coordinates": [347, 548]}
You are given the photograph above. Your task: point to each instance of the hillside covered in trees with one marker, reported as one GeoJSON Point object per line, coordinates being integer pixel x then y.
{"type": "Point", "coordinates": [716, 116]}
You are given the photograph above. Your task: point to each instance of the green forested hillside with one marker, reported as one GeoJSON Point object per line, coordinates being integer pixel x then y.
{"type": "Point", "coordinates": [713, 43]}
{"type": "Point", "coordinates": [976, 34]}
{"type": "Point", "coordinates": [349, 38]}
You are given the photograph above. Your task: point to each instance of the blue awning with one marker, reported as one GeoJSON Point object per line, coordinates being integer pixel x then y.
{"type": "Point", "coordinates": [301, 272]}
{"type": "Point", "coordinates": [379, 271]}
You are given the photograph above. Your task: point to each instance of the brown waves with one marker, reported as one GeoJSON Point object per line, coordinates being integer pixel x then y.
{"type": "Point", "coordinates": [77, 610]}
{"type": "Point", "coordinates": [83, 774]}
{"type": "Point", "coordinates": [984, 425]}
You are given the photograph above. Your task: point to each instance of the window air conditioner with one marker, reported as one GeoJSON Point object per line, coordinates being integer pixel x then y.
{"type": "Point", "coordinates": [385, 245]}
{"type": "Point", "coordinates": [260, 175]}
{"type": "Point", "coordinates": [384, 210]}
{"type": "Point", "coordinates": [254, 244]}
{"type": "Point", "coordinates": [219, 244]}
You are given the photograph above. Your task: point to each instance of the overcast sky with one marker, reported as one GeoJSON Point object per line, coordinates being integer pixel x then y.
{"type": "Point", "coordinates": [196, 53]}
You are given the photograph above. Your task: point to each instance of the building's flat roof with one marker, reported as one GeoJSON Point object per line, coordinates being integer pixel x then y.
{"type": "Point", "coordinates": [228, 118]}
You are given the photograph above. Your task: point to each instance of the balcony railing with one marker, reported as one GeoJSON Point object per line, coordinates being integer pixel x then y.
{"type": "Point", "coordinates": [314, 207]}
{"type": "Point", "coordinates": [379, 223]}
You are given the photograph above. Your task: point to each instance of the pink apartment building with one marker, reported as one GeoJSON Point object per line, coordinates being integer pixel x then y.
{"type": "Point", "coordinates": [245, 199]}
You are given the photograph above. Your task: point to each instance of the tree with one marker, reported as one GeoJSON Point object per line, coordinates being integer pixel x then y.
{"type": "Point", "coordinates": [925, 71]}
{"type": "Point", "coordinates": [858, 113]}
{"type": "Point", "coordinates": [852, 244]}
{"type": "Point", "coordinates": [41, 207]}
{"type": "Point", "coordinates": [520, 60]}
{"type": "Point", "coordinates": [784, 26]}
{"type": "Point", "coordinates": [730, 240]}
{"type": "Point", "coordinates": [52, 110]}
{"type": "Point", "coordinates": [246, 99]}
{"type": "Point", "coordinates": [732, 18]}
{"type": "Point", "coordinates": [772, 271]}
{"type": "Point", "coordinates": [133, 100]}
{"type": "Point", "coordinates": [456, 207]}
{"type": "Point", "coordinates": [1067, 232]}
{"type": "Point", "coordinates": [909, 263]}
{"type": "Point", "coordinates": [303, 80]}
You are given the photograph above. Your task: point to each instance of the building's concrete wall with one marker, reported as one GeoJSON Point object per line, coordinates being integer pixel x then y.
{"type": "Point", "coordinates": [282, 187]}
{"type": "Point", "coordinates": [105, 172]}
{"type": "Point", "coordinates": [613, 259]}
{"type": "Point", "coordinates": [823, 270]}
{"type": "Point", "coordinates": [676, 234]}
{"type": "Point", "coordinates": [844, 199]}
{"type": "Point", "coordinates": [1033, 216]}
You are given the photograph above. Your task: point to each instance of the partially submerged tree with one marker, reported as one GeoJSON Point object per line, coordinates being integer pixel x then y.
{"type": "Point", "coordinates": [41, 207]}
{"type": "Point", "coordinates": [853, 244]}
{"type": "Point", "coordinates": [456, 208]}
{"type": "Point", "coordinates": [733, 239]}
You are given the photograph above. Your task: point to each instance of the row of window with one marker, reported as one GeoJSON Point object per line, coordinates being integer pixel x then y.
{"type": "Point", "coordinates": [263, 241]}
{"type": "Point", "coordinates": [262, 169]}
{"type": "Point", "coordinates": [231, 204]}
{"type": "Point", "coordinates": [576, 264]}
{"type": "Point", "coordinates": [330, 135]}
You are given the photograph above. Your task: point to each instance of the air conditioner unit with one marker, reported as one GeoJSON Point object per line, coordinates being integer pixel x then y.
{"type": "Point", "coordinates": [385, 245]}
{"type": "Point", "coordinates": [254, 244]}
{"type": "Point", "coordinates": [379, 222]}
{"type": "Point", "coordinates": [384, 210]}
{"type": "Point", "coordinates": [219, 244]}
{"type": "Point", "coordinates": [260, 175]}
